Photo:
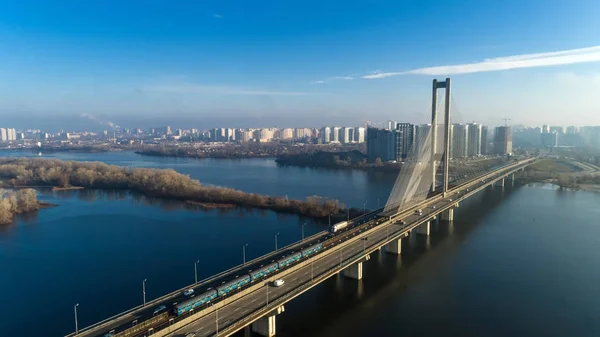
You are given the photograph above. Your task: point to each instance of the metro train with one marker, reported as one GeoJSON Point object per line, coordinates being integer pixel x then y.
{"type": "Point", "coordinates": [241, 281]}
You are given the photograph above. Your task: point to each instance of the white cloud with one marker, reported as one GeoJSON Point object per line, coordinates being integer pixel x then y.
{"type": "Point", "coordinates": [335, 78]}
{"type": "Point", "coordinates": [185, 88]}
{"type": "Point", "coordinates": [582, 55]}
{"type": "Point", "coordinates": [217, 16]}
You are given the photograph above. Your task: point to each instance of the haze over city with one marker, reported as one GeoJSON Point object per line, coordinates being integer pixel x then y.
{"type": "Point", "coordinates": [279, 64]}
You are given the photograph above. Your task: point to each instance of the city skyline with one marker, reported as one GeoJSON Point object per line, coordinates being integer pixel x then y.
{"type": "Point", "coordinates": [220, 63]}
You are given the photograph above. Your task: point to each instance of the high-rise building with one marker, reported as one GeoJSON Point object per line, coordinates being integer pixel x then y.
{"type": "Point", "coordinates": [392, 125]}
{"type": "Point", "coordinates": [474, 139]}
{"type": "Point", "coordinates": [3, 135]}
{"type": "Point", "coordinates": [422, 136]}
{"type": "Point", "coordinates": [460, 139]}
{"type": "Point", "coordinates": [405, 138]}
{"type": "Point", "coordinates": [484, 140]}
{"type": "Point", "coordinates": [335, 134]}
{"type": "Point", "coordinates": [266, 135]}
{"type": "Point", "coordinates": [359, 134]}
{"type": "Point", "coordinates": [503, 140]}
{"type": "Point", "coordinates": [325, 135]}
{"type": "Point", "coordinates": [344, 136]}
{"type": "Point", "coordinates": [287, 133]}
{"type": "Point", "coordinates": [381, 144]}
{"type": "Point", "coordinates": [215, 135]}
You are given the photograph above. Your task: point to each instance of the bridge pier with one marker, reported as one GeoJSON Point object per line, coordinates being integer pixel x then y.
{"type": "Point", "coordinates": [512, 179]}
{"type": "Point", "coordinates": [424, 228]}
{"type": "Point", "coordinates": [265, 326]}
{"type": "Point", "coordinates": [448, 215]}
{"type": "Point", "coordinates": [355, 271]}
{"type": "Point", "coordinates": [394, 247]}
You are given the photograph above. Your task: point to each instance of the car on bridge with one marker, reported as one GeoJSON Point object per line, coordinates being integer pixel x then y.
{"type": "Point", "coordinates": [278, 283]}
{"type": "Point", "coordinates": [188, 292]}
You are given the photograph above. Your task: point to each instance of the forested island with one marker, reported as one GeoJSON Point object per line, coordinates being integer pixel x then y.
{"type": "Point", "coordinates": [168, 184]}
{"type": "Point", "coordinates": [349, 159]}
{"type": "Point", "coordinates": [14, 202]}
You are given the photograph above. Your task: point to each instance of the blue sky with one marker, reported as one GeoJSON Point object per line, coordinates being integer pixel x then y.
{"type": "Point", "coordinates": [295, 63]}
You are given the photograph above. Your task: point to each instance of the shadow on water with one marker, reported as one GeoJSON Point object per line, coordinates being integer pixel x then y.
{"type": "Point", "coordinates": [323, 310]}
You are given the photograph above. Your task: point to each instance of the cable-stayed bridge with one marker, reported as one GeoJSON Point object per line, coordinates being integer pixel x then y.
{"type": "Point", "coordinates": [428, 188]}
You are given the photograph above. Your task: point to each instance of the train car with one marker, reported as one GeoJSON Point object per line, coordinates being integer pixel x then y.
{"type": "Point", "coordinates": [338, 226]}
{"type": "Point", "coordinates": [194, 302]}
{"type": "Point", "coordinates": [233, 285]}
{"type": "Point", "coordinates": [312, 249]}
{"type": "Point", "coordinates": [262, 272]}
{"type": "Point", "coordinates": [286, 261]}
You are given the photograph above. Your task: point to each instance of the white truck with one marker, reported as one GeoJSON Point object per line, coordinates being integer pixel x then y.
{"type": "Point", "coordinates": [338, 226]}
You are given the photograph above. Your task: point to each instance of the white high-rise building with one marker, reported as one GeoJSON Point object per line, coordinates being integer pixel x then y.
{"type": "Point", "coordinates": [335, 134]}
{"type": "Point", "coordinates": [3, 135]}
{"type": "Point", "coordinates": [344, 136]}
{"type": "Point", "coordinates": [325, 135]}
{"type": "Point", "coordinates": [474, 139]}
{"type": "Point", "coordinates": [287, 133]}
{"type": "Point", "coordinates": [359, 134]}
{"type": "Point", "coordinates": [460, 139]}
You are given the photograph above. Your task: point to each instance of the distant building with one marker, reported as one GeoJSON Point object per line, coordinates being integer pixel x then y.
{"type": "Point", "coordinates": [484, 140]}
{"type": "Point", "coordinates": [460, 139]}
{"type": "Point", "coordinates": [405, 138]}
{"type": "Point", "coordinates": [287, 133]}
{"type": "Point", "coordinates": [359, 135]}
{"type": "Point", "coordinates": [3, 135]}
{"type": "Point", "coordinates": [381, 144]}
{"type": "Point", "coordinates": [325, 135]}
{"type": "Point", "coordinates": [423, 137]}
{"type": "Point", "coordinates": [392, 125]}
{"type": "Point", "coordinates": [474, 139]}
{"type": "Point", "coordinates": [503, 140]}
{"type": "Point", "coordinates": [335, 134]}
{"type": "Point", "coordinates": [344, 136]}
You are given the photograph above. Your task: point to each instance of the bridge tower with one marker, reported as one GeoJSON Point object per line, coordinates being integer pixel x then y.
{"type": "Point", "coordinates": [446, 151]}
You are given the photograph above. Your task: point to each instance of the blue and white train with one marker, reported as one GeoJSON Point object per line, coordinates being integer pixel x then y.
{"type": "Point", "coordinates": [241, 281]}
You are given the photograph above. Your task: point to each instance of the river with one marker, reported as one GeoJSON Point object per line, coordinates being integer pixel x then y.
{"type": "Point", "coordinates": [520, 261]}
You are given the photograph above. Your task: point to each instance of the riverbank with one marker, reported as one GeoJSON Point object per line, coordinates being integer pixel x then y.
{"type": "Point", "coordinates": [166, 184]}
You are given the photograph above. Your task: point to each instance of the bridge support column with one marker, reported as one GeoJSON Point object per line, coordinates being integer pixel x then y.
{"type": "Point", "coordinates": [394, 247]}
{"type": "Point", "coordinates": [354, 271]}
{"type": "Point", "coordinates": [512, 179]}
{"type": "Point", "coordinates": [502, 182]}
{"type": "Point", "coordinates": [265, 326]}
{"type": "Point", "coordinates": [424, 228]}
{"type": "Point", "coordinates": [448, 215]}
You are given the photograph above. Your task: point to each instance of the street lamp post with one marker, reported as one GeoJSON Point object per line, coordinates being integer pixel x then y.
{"type": "Point", "coordinates": [144, 290]}
{"type": "Point", "coordinates": [76, 326]}
{"type": "Point", "coordinates": [216, 319]}
{"type": "Point", "coordinates": [267, 294]}
{"type": "Point", "coordinates": [244, 252]}
{"type": "Point", "coordinates": [348, 213]}
{"type": "Point", "coordinates": [365, 208]}
{"type": "Point", "coordinates": [303, 230]}
{"type": "Point", "coordinates": [196, 271]}
{"type": "Point", "coordinates": [276, 235]}
{"type": "Point", "coordinates": [364, 245]}
{"type": "Point", "coordinates": [329, 220]}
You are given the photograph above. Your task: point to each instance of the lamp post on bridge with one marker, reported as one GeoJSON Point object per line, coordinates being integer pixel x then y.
{"type": "Point", "coordinates": [144, 290]}
{"type": "Point", "coordinates": [196, 271]}
{"type": "Point", "coordinates": [329, 219]}
{"type": "Point", "coordinates": [216, 320]}
{"type": "Point", "coordinates": [364, 240]}
{"type": "Point", "coordinates": [365, 208]}
{"type": "Point", "coordinates": [303, 230]}
{"type": "Point", "coordinates": [76, 326]}
{"type": "Point", "coordinates": [244, 252]}
{"type": "Point", "coordinates": [276, 235]}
